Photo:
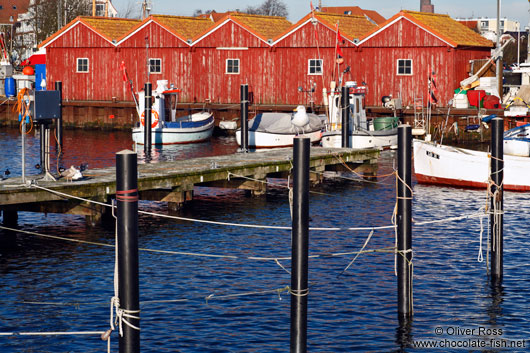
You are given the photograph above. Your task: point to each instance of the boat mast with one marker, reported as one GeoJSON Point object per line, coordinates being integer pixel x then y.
{"type": "Point", "coordinates": [499, 58]}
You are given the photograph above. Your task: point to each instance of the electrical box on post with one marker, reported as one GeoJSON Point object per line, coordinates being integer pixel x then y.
{"type": "Point", "coordinates": [47, 105]}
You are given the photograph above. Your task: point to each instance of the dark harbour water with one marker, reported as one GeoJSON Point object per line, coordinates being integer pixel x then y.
{"type": "Point", "coordinates": [354, 312]}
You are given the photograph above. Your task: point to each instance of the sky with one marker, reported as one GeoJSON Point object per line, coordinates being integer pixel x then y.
{"type": "Point", "coordinates": [512, 9]}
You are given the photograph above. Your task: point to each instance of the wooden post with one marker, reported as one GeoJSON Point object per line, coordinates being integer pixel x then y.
{"type": "Point", "coordinates": [404, 222]}
{"type": "Point", "coordinates": [496, 217]}
{"type": "Point", "coordinates": [147, 119]}
{"type": "Point", "coordinates": [244, 118]}
{"type": "Point", "coordinates": [127, 214]}
{"type": "Point", "coordinates": [300, 236]}
{"type": "Point", "coordinates": [59, 87]}
{"type": "Point", "coordinates": [345, 114]}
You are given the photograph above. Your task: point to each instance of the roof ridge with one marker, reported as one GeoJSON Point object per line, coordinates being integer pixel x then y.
{"type": "Point", "coordinates": [339, 15]}
{"type": "Point", "coordinates": [100, 18]}
{"type": "Point", "coordinates": [426, 13]}
{"type": "Point", "coordinates": [182, 17]}
{"type": "Point", "coordinates": [242, 14]}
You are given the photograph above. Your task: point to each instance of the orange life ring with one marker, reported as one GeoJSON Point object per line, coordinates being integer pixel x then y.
{"type": "Point", "coordinates": [155, 120]}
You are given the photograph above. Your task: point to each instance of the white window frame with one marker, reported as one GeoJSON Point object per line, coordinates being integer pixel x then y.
{"type": "Point", "coordinates": [100, 9]}
{"type": "Point", "coordinates": [151, 66]}
{"type": "Point", "coordinates": [78, 65]}
{"type": "Point", "coordinates": [312, 64]}
{"type": "Point", "coordinates": [232, 60]}
{"type": "Point", "coordinates": [404, 66]}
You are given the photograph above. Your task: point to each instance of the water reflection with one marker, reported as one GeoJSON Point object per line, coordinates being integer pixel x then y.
{"type": "Point", "coordinates": [356, 312]}
{"type": "Point", "coordinates": [404, 336]}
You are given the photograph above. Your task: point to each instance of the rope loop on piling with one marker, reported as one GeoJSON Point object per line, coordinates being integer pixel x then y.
{"type": "Point", "coordinates": [121, 316]}
{"type": "Point", "coordinates": [299, 292]}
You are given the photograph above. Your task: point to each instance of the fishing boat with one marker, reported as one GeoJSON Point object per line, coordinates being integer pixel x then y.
{"type": "Point", "coordinates": [378, 132]}
{"type": "Point", "coordinates": [169, 129]}
{"type": "Point", "coordinates": [445, 165]}
{"type": "Point", "coordinates": [269, 130]}
{"type": "Point", "coordinates": [517, 141]}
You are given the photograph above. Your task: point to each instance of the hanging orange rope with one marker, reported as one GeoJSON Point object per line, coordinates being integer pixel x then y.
{"type": "Point", "coordinates": [23, 108]}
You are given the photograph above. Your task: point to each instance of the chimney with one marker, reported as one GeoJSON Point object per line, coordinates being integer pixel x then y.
{"type": "Point", "coordinates": [426, 6]}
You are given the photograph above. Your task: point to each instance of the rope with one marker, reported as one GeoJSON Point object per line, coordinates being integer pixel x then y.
{"type": "Point", "coordinates": [234, 257]}
{"type": "Point", "coordinates": [51, 333]}
{"type": "Point", "coordinates": [243, 225]}
{"type": "Point", "coordinates": [273, 184]}
{"type": "Point", "coordinates": [299, 292]}
{"type": "Point", "coordinates": [359, 253]}
{"type": "Point", "coordinates": [480, 257]}
{"type": "Point", "coordinates": [384, 176]}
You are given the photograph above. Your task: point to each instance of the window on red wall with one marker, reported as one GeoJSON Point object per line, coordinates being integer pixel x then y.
{"type": "Point", "coordinates": [155, 66]}
{"type": "Point", "coordinates": [404, 67]}
{"type": "Point", "coordinates": [232, 66]}
{"type": "Point", "coordinates": [314, 67]}
{"type": "Point", "coordinates": [82, 65]}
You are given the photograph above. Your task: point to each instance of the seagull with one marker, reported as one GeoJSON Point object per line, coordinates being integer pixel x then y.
{"type": "Point", "coordinates": [72, 174]}
{"type": "Point", "coordinates": [300, 118]}
{"type": "Point", "coordinates": [6, 174]}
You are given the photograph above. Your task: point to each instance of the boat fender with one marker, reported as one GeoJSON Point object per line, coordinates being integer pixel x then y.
{"type": "Point", "coordinates": [155, 119]}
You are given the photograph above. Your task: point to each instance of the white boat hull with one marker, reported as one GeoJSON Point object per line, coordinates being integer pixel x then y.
{"type": "Point", "coordinates": [258, 139]}
{"type": "Point", "coordinates": [176, 135]}
{"type": "Point", "coordinates": [517, 147]}
{"type": "Point", "coordinates": [371, 139]}
{"type": "Point", "coordinates": [445, 165]}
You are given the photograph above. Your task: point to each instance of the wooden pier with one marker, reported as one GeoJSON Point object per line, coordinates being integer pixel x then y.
{"type": "Point", "coordinates": [173, 182]}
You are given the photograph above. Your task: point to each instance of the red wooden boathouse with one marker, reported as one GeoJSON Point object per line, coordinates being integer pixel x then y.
{"type": "Point", "coordinates": [209, 61]}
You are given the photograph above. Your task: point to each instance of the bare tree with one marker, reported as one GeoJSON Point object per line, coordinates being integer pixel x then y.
{"type": "Point", "coordinates": [269, 8]}
{"type": "Point", "coordinates": [49, 15]}
{"type": "Point", "coordinates": [131, 10]}
{"type": "Point", "coordinates": [274, 8]}
{"type": "Point", "coordinates": [199, 12]}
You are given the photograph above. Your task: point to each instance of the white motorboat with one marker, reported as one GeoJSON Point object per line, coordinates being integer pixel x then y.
{"type": "Point", "coordinates": [445, 165]}
{"type": "Point", "coordinates": [517, 141]}
{"type": "Point", "coordinates": [268, 130]}
{"type": "Point", "coordinates": [378, 132]}
{"type": "Point", "coordinates": [171, 129]}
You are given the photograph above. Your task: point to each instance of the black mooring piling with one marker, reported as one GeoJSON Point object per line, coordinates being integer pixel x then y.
{"type": "Point", "coordinates": [147, 113]}
{"type": "Point", "coordinates": [59, 122]}
{"type": "Point", "coordinates": [496, 217]}
{"type": "Point", "coordinates": [127, 214]}
{"type": "Point", "coordinates": [345, 115]}
{"type": "Point", "coordinates": [244, 118]}
{"type": "Point", "coordinates": [300, 244]}
{"type": "Point", "coordinates": [404, 222]}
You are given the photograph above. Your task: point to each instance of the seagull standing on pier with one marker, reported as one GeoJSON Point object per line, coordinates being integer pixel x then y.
{"type": "Point", "coordinates": [72, 174]}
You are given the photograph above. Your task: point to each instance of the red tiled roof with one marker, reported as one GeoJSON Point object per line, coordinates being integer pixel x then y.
{"type": "Point", "coordinates": [444, 27]}
{"type": "Point", "coordinates": [183, 26]}
{"type": "Point", "coordinates": [266, 27]}
{"type": "Point", "coordinates": [109, 28]}
{"type": "Point", "coordinates": [447, 28]}
{"type": "Point", "coordinates": [10, 9]}
{"type": "Point", "coordinates": [350, 26]}
{"type": "Point", "coordinates": [356, 11]}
